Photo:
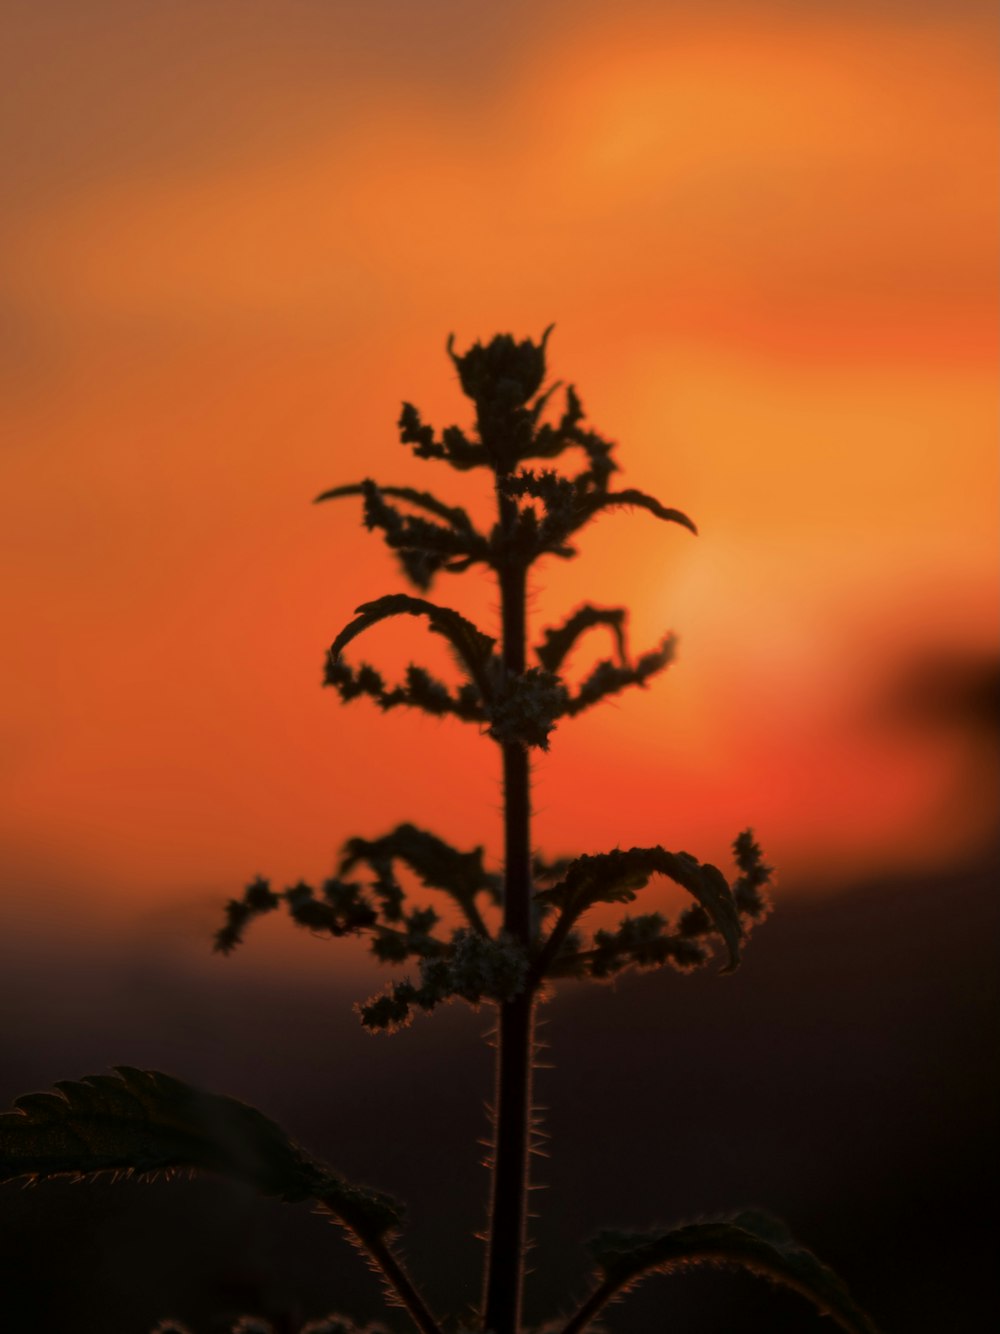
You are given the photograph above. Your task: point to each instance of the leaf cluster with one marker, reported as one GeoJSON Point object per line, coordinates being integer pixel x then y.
{"type": "Point", "coordinates": [521, 707]}
{"type": "Point", "coordinates": [468, 962]}
{"type": "Point", "coordinates": [720, 914]}
{"type": "Point", "coordinates": [539, 513]}
{"type": "Point", "coordinates": [476, 963]}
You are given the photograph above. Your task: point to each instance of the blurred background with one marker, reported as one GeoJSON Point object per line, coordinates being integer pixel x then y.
{"type": "Point", "coordinates": [236, 236]}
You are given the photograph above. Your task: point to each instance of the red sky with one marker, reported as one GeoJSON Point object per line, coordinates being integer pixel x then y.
{"type": "Point", "coordinates": [236, 236]}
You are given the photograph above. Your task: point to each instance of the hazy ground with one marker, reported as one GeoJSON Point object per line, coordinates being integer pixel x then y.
{"type": "Point", "coordinates": [845, 1078]}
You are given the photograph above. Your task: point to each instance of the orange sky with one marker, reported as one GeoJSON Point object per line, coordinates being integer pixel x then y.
{"type": "Point", "coordinates": [237, 236]}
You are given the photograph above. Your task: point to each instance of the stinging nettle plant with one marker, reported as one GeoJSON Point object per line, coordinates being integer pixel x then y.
{"type": "Point", "coordinates": [520, 931]}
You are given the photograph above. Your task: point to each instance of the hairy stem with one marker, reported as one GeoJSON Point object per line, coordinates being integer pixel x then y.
{"type": "Point", "coordinates": [508, 1205]}
{"type": "Point", "coordinates": [395, 1277]}
{"type": "Point", "coordinates": [589, 1310]}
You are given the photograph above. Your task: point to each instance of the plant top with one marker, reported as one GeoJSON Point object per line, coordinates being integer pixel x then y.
{"type": "Point", "coordinates": [539, 512]}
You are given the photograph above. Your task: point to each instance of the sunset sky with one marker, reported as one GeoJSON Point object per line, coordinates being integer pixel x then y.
{"type": "Point", "coordinates": [236, 235]}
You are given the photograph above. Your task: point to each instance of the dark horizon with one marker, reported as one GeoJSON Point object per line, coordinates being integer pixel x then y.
{"type": "Point", "coordinates": [844, 1078]}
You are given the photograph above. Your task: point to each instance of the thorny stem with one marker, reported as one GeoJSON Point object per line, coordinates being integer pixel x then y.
{"type": "Point", "coordinates": [396, 1278]}
{"type": "Point", "coordinates": [508, 1204]}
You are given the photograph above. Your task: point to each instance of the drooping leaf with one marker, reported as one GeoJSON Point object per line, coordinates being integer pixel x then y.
{"type": "Point", "coordinates": [571, 502]}
{"type": "Point", "coordinates": [422, 546]}
{"type": "Point", "coordinates": [462, 875]}
{"type": "Point", "coordinates": [610, 678]}
{"type": "Point", "coordinates": [144, 1122]}
{"type": "Point", "coordinates": [472, 646]}
{"type": "Point", "coordinates": [558, 642]}
{"type": "Point", "coordinates": [637, 499]}
{"type": "Point", "coordinates": [452, 514]}
{"type": "Point", "coordinates": [751, 1240]}
{"type": "Point", "coordinates": [616, 877]}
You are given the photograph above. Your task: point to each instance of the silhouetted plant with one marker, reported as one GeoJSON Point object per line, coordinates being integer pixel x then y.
{"type": "Point", "coordinates": [519, 931]}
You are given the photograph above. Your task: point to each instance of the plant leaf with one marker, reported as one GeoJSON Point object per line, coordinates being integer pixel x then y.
{"type": "Point", "coordinates": [552, 440]}
{"type": "Point", "coordinates": [751, 1240]}
{"type": "Point", "coordinates": [750, 890]}
{"type": "Point", "coordinates": [471, 644]}
{"type": "Point", "coordinates": [453, 447]}
{"type": "Point", "coordinates": [616, 877]}
{"type": "Point", "coordinates": [630, 496]}
{"type": "Point", "coordinates": [420, 690]}
{"type": "Point", "coordinates": [610, 678]}
{"type": "Point", "coordinates": [558, 642]}
{"type": "Point", "coordinates": [462, 875]}
{"type": "Point", "coordinates": [453, 514]}
{"type": "Point", "coordinates": [422, 547]}
{"type": "Point", "coordinates": [142, 1121]}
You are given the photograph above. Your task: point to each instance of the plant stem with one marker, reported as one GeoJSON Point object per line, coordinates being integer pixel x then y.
{"type": "Point", "coordinates": [398, 1281]}
{"type": "Point", "coordinates": [508, 1204]}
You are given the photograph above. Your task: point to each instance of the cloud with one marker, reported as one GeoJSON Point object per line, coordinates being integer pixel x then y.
{"type": "Point", "coordinates": [795, 171]}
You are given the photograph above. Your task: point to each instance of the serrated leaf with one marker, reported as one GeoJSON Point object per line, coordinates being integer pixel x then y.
{"type": "Point", "coordinates": [639, 500]}
{"type": "Point", "coordinates": [144, 1122]}
{"type": "Point", "coordinates": [439, 865]}
{"type": "Point", "coordinates": [453, 447]}
{"type": "Point", "coordinates": [453, 514]}
{"type": "Point", "coordinates": [558, 642]}
{"type": "Point", "coordinates": [420, 691]}
{"type": "Point", "coordinates": [615, 877]}
{"type": "Point", "coordinates": [751, 1240]}
{"type": "Point", "coordinates": [422, 546]}
{"type": "Point", "coordinates": [609, 678]}
{"type": "Point", "coordinates": [471, 644]}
